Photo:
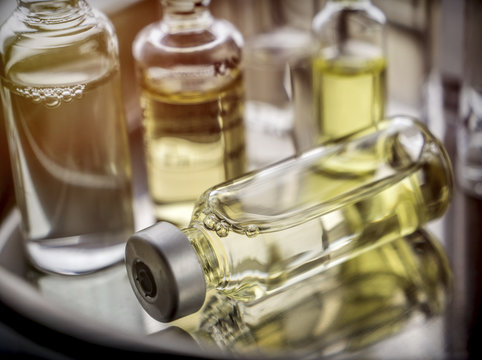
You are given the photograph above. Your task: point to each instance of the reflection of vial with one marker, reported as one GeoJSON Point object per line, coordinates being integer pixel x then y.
{"type": "Point", "coordinates": [284, 223]}
{"type": "Point", "coordinates": [188, 67]}
{"type": "Point", "coordinates": [347, 308]}
{"type": "Point", "coordinates": [349, 69]}
{"type": "Point", "coordinates": [68, 141]}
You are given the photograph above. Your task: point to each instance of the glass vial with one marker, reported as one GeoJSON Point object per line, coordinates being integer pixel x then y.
{"type": "Point", "coordinates": [351, 306]}
{"type": "Point", "coordinates": [192, 95]}
{"type": "Point", "coordinates": [469, 126]}
{"type": "Point", "coordinates": [288, 221]}
{"type": "Point", "coordinates": [66, 128]}
{"type": "Point", "coordinates": [349, 69]}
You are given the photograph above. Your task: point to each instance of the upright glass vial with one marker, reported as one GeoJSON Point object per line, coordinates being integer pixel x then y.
{"type": "Point", "coordinates": [189, 71]}
{"type": "Point", "coordinates": [349, 81]}
{"type": "Point", "coordinates": [279, 225]}
{"type": "Point", "coordinates": [66, 128]}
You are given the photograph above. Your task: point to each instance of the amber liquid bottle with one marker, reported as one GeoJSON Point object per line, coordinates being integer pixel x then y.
{"type": "Point", "coordinates": [192, 95]}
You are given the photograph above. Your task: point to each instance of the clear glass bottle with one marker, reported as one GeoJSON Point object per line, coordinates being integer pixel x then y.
{"type": "Point", "coordinates": [347, 308]}
{"type": "Point", "coordinates": [349, 69]}
{"type": "Point", "coordinates": [469, 124]}
{"type": "Point", "coordinates": [192, 94]}
{"type": "Point", "coordinates": [288, 221]}
{"type": "Point", "coordinates": [63, 108]}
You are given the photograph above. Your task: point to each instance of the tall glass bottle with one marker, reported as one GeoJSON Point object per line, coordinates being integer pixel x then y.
{"type": "Point", "coordinates": [63, 108]}
{"type": "Point", "coordinates": [349, 81]}
{"type": "Point", "coordinates": [189, 72]}
{"type": "Point", "coordinates": [350, 306]}
{"type": "Point", "coordinates": [296, 218]}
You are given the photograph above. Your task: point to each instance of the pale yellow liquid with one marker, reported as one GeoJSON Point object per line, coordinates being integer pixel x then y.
{"type": "Point", "coordinates": [264, 234]}
{"type": "Point", "coordinates": [71, 156]}
{"type": "Point", "coordinates": [349, 94]}
{"type": "Point", "coordinates": [271, 258]}
{"type": "Point", "coordinates": [193, 140]}
{"type": "Point", "coordinates": [363, 300]}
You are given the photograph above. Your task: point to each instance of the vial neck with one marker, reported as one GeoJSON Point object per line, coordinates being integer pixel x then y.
{"type": "Point", "coordinates": [213, 263]}
{"type": "Point", "coordinates": [52, 12]}
{"type": "Point", "coordinates": [50, 4]}
{"type": "Point", "coordinates": [186, 14]}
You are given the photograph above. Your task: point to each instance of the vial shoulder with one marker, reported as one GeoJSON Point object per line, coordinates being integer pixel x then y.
{"type": "Point", "coordinates": [83, 45]}
{"type": "Point", "coordinates": [155, 46]}
{"type": "Point", "coordinates": [44, 34]}
{"type": "Point", "coordinates": [329, 18]}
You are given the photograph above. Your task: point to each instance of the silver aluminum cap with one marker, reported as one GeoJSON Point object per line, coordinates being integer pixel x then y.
{"type": "Point", "coordinates": [165, 272]}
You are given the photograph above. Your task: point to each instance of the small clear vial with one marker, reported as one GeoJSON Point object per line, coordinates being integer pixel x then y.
{"type": "Point", "coordinates": [284, 223]}
{"type": "Point", "coordinates": [349, 68]}
{"type": "Point", "coordinates": [192, 96]}
{"type": "Point", "coordinates": [62, 102]}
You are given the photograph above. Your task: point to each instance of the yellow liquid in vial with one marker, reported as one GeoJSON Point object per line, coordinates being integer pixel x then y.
{"type": "Point", "coordinates": [192, 142]}
{"type": "Point", "coordinates": [349, 94]}
{"type": "Point", "coordinates": [363, 300]}
{"type": "Point", "coordinates": [355, 218]}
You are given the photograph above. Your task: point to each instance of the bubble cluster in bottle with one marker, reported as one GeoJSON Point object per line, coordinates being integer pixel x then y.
{"type": "Point", "coordinates": [51, 97]}
{"type": "Point", "coordinates": [212, 222]}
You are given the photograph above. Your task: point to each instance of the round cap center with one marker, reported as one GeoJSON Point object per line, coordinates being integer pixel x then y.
{"type": "Point", "coordinates": [144, 279]}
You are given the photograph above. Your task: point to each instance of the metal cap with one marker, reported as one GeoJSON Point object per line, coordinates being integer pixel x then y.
{"type": "Point", "coordinates": [165, 272]}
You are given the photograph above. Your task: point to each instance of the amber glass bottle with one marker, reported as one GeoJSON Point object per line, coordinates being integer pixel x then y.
{"type": "Point", "coordinates": [192, 95]}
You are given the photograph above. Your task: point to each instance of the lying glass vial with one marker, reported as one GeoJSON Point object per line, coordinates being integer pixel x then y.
{"type": "Point", "coordinates": [289, 221]}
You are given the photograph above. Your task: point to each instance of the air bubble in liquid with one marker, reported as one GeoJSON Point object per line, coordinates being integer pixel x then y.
{"type": "Point", "coordinates": [52, 97]}
{"type": "Point", "coordinates": [222, 229]}
{"type": "Point", "coordinates": [251, 231]}
{"type": "Point", "coordinates": [51, 101]}
{"type": "Point", "coordinates": [210, 221]}
{"type": "Point", "coordinates": [66, 96]}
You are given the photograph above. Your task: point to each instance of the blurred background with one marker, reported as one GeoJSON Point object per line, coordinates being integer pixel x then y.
{"type": "Point", "coordinates": [434, 74]}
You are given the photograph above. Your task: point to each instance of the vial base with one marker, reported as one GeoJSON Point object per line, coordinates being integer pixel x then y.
{"type": "Point", "coordinates": [77, 255]}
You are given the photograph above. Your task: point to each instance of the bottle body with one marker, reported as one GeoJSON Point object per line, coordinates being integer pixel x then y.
{"type": "Point", "coordinates": [310, 212]}
{"type": "Point", "coordinates": [192, 95]}
{"type": "Point", "coordinates": [350, 306]}
{"type": "Point", "coordinates": [287, 222]}
{"type": "Point", "coordinates": [349, 70]}
{"type": "Point", "coordinates": [68, 137]}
